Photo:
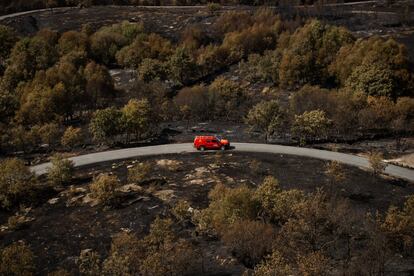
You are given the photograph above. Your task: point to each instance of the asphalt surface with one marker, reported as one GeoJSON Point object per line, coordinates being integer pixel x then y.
{"type": "Point", "coordinates": [113, 155]}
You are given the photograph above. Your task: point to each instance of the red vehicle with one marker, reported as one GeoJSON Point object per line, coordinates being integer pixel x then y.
{"type": "Point", "coordinates": [210, 142]}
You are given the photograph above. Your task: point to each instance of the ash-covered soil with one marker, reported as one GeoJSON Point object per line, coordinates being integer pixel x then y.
{"type": "Point", "coordinates": [68, 221]}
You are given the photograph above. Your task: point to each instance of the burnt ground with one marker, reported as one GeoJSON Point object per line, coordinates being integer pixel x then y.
{"type": "Point", "coordinates": [66, 223]}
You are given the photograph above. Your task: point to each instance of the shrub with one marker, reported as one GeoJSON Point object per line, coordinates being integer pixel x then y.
{"type": "Point", "coordinates": [139, 172]}
{"type": "Point", "coordinates": [152, 69]}
{"type": "Point", "coordinates": [376, 161]}
{"type": "Point", "coordinates": [17, 259]}
{"type": "Point", "coordinates": [106, 124]}
{"type": "Point", "coordinates": [228, 206]}
{"type": "Point", "coordinates": [72, 137]}
{"type": "Point", "coordinates": [181, 210]}
{"type": "Point", "coordinates": [275, 264]}
{"type": "Point", "coordinates": [399, 226]}
{"type": "Point", "coordinates": [313, 264]}
{"type": "Point", "coordinates": [249, 241]}
{"type": "Point", "coordinates": [103, 188]}
{"type": "Point", "coordinates": [125, 256]}
{"type": "Point", "coordinates": [267, 116]}
{"type": "Point", "coordinates": [278, 205]}
{"type": "Point", "coordinates": [213, 7]}
{"type": "Point", "coordinates": [89, 263]}
{"type": "Point", "coordinates": [61, 171]}
{"type": "Point", "coordinates": [311, 125]}
{"type": "Point", "coordinates": [179, 258]}
{"type": "Point", "coordinates": [16, 182]}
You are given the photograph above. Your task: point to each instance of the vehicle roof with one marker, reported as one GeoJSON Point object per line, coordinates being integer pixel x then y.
{"type": "Point", "coordinates": [205, 137]}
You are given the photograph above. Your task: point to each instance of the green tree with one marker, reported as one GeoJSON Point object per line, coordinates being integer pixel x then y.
{"type": "Point", "coordinates": [182, 67]}
{"type": "Point", "coordinates": [72, 137]}
{"type": "Point", "coordinates": [137, 118]}
{"type": "Point", "coordinates": [106, 124]}
{"type": "Point", "coordinates": [398, 225]}
{"type": "Point", "coordinates": [372, 79]}
{"type": "Point", "coordinates": [103, 188]}
{"type": "Point", "coordinates": [16, 181]}
{"type": "Point", "coordinates": [49, 133]}
{"type": "Point", "coordinates": [310, 125]}
{"type": "Point", "coordinates": [73, 41]}
{"type": "Point", "coordinates": [274, 264]}
{"type": "Point", "coordinates": [266, 116]}
{"type": "Point", "coordinates": [151, 69]}
{"type": "Point", "coordinates": [61, 172]}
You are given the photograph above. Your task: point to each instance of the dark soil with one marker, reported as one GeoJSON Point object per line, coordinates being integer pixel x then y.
{"type": "Point", "coordinates": [60, 231]}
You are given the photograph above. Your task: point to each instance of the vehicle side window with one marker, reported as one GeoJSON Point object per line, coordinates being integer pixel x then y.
{"type": "Point", "coordinates": [214, 141]}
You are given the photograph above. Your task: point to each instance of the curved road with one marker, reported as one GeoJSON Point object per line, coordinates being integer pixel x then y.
{"type": "Point", "coordinates": [173, 7]}
{"type": "Point", "coordinates": [113, 155]}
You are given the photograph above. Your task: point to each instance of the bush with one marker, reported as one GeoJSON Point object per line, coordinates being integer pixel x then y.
{"type": "Point", "coordinates": [278, 205]}
{"type": "Point", "coordinates": [139, 172]}
{"type": "Point", "coordinates": [89, 263]}
{"type": "Point", "coordinates": [72, 137]}
{"type": "Point", "coordinates": [398, 225]}
{"type": "Point", "coordinates": [228, 206]}
{"type": "Point", "coordinates": [17, 259]}
{"type": "Point", "coordinates": [311, 125]}
{"type": "Point", "coordinates": [106, 124]}
{"type": "Point", "coordinates": [181, 210]}
{"type": "Point", "coordinates": [249, 241]}
{"type": "Point", "coordinates": [213, 7]}
{"type": "Point", "coordinates": [103, 188]}
{"type": "Point", "coordinates": [61, 171]}
{"type": "Point", "coordinates": [125, 256]}
{"type": "Point", "coordinates": [313, 264]}
{"type": "Point", "coordinates": [376, 161]}
{"type": "Point", "coordinates": [274, 264]}
{"type": "Point", "coordinates": [16, 182]}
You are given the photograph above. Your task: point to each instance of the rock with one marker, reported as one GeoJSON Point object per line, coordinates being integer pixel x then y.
{"type": "Point", "coordinates": [168, 164]}
{"type": "Point", "coordinates": [53, 200]}
{"type": "Point", "coordinates": [165, 195]}
{"type": "Point", "coordinates": [129, 188]}
{"type": "Point", "coordinates": [88, 199]}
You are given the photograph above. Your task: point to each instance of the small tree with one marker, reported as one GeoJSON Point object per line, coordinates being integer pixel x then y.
{"type": "Point", "coordinates": [140, 172]}
{"type": "Point", "coordinates": [275, 264]}
{"type": "Point", "coordinates": [250, 241]}
{"type": "Point", "coordinates": [49, 133]}
{"type": "Point", "coordinates": [266, 116]}
{"type": "Point", "coordinates": [376, 161]}
{"type": "Point", "coordinates": [16, 181]}
{"type": "Point", "coordinates": [103, 188]}
{"type": "Point", "coordinates": [106, 124]}
{"type": "Point", "coordinates": [138, 117]}
{"type": "Point", "coordinates": [61, 171]}
{"type": "Point", "coordinates": [89, 263]}
{"type": "Point", "coordinates": [313, 264]}
{"type": "Point", "coordinates": [335, 173]}
{"type": "Point", "coordinates": [310, 125]}
{"type": "Point", "coordinates": [17, 259]}
{"type": "Point", "coordinates": [72, 137]}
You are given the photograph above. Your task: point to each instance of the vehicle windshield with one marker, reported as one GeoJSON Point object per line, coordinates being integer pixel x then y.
{"type": "Point", "coordinates": [219, 138]}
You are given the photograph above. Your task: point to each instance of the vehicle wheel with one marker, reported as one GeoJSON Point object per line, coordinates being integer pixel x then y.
{"type": "Point", "coordinates": [223, 147]}
{"type": "Point", "coordinates": [202, 148]}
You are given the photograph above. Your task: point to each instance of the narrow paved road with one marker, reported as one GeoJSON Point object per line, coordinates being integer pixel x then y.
{"type": "Point", "coordinates": [113, 155]}
{"type": "Point", "coordinates": [177, 7]}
